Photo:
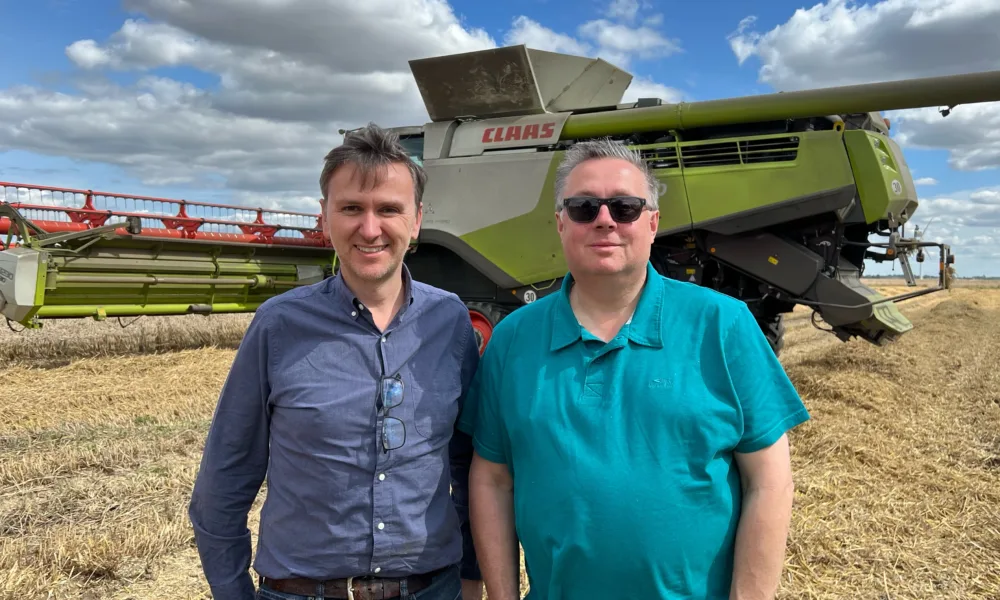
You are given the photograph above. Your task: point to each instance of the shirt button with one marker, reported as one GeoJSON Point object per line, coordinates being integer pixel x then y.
{"type": "Point", "coordinates": [381, 476]}
{"type": "Point", "coordinates": [377, 569]}
{"type": "Point", "coordinates": [354, 313]}
{"type": "Point", "coordinates": [361, 306]}
{"type": "Point", "coordinates": [381, 525]}
{"type": "Point", "coordinates": [383, 339]}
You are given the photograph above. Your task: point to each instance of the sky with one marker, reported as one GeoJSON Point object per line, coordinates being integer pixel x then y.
{"type": "Point", "coordinates": [238, 100]}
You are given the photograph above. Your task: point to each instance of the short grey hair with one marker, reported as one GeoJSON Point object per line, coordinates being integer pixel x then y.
{"type": "Point", "coordinates": [604, 148]}
{"type": "Point", "coordinates": [371, 149]}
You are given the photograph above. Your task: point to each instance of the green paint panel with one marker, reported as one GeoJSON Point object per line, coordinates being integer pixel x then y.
{"type": "Point", "coordinates": [819, 164]}
{"type": "Point", "coordinates": [57, 296]}
{"type": "Point", "coordinates": [883, 183]}
{"type": "Point", "coordinates": [720, 178]}
{"type": "Point", "coordinates": [125, 310]}
{"type": "Point", "coordinates": [662, 160]}
{"type": "Point", "coordinates": [527, 247]}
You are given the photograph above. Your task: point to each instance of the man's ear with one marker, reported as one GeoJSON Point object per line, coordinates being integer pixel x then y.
{"type": "Point", "coordinates": [324, 218]}
{"type": "Point", "coordinates": [417, 222]}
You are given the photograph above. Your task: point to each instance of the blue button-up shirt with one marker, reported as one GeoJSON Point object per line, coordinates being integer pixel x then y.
{"type": "Point", "coordinates": [299, 407]}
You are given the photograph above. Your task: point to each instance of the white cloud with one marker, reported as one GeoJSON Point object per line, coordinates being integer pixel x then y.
{"type": "Point", "coordinates": [533, 34]}
{"type": "Point", "coordinates": [925, 181]}
{"type": "Point", "coordinates": [742, 42]}
{"type": "Point", "coordinates": [285, 77]}
{"type": "Point", "coordinates": [623, 10]}
{"type": "Point", "coordinates": [645, 88]}
{"type": "Point", "coordinates": [839, 42]}
{"type": "Point", "coordinates": [615, 42]}
{"type": "Point", "coordinates": [968, 221]}
{"type": "Point", "coordinates": [842, 43]}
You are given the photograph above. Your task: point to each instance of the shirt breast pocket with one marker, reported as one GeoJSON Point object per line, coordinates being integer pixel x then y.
{"type": "Point", "coordinates": [435, 406]}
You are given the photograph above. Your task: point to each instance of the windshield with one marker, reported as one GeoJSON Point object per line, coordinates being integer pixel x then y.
{"type": "Point", "coordinates": [415, 147]}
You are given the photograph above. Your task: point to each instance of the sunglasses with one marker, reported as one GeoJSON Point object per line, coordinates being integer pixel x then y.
{"type": "Point", "coordinates": [623, 209]}
{"type": "Point", "coordinates": [393, 429]}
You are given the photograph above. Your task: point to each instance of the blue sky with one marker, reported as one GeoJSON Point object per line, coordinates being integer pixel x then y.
{"type": "Point", "coordinates": [134, 109]}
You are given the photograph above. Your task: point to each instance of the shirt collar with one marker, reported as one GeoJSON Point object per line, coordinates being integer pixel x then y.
{"type": "Point", "coordinates": [644, 327]}
{"type": "Point", "coordinates": [348, 301]}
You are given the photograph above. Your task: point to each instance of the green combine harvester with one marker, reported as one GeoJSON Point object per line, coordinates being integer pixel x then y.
{"type": "Point", "coordinates": [772, 199]}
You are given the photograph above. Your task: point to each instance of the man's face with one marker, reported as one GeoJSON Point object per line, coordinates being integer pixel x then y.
{"type": "Point", "coordinates": [371, 228]}
{"type": "Point", "coordinates": [603, 246]}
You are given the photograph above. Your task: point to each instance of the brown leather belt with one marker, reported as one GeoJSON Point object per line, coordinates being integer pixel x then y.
{"type": "Point", "coordinates": [354, 588]}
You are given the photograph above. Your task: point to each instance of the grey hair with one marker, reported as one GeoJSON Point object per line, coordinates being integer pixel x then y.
{"type": "Point", "coordinates": [371, 149]}
{"type": "Point", "coordinates": [604, 148]}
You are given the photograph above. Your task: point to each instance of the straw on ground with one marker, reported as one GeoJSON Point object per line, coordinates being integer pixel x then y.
{"type": "Point", "coordinates": [898, 473]}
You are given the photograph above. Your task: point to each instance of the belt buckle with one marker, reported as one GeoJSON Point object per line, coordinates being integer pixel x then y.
{"type": "Point", "coordinates": [350, 588]}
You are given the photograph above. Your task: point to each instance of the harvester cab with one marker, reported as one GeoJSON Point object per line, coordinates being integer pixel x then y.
{"type": "Point", "coordinates": [779, 200]}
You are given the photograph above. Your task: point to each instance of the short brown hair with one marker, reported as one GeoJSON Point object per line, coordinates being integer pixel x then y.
{"type": "Point", "coordinates": [372, 149]}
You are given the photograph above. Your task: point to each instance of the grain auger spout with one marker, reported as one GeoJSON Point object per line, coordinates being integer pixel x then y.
{"type": "Point", "coordinates": [779, 200]}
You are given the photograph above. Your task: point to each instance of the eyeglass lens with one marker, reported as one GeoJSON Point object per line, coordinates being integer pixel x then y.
{"type": "Point", "coordinates": [623, 209]}
{"type": "Point", "coordinates": [393, 429]}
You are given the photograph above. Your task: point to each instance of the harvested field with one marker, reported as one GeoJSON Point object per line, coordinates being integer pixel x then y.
{"type": "Point", "coordinates": [898, 473]}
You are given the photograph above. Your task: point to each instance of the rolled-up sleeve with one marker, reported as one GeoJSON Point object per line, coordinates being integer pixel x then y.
{"type": "Point", "coordinates": [233, 468]}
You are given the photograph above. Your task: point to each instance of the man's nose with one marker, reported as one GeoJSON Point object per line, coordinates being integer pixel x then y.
{"type": "Point", "coordinates": [371, 227]}
{"type": "Point", "coordinates": [604, 218]}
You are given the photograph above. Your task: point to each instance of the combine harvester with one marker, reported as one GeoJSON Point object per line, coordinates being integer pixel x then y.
{"type": "Point", "coordinates": [771, 199]}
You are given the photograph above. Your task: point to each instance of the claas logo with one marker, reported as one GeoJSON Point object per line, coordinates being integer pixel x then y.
{"type": "Point", "coordinates": [534, 131]}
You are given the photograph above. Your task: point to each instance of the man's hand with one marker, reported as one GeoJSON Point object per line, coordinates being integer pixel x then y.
{"type": "Point", "coordinates": [472, 589]}
{"type": "Point", "coordinates": [768, 491]}
{"type": "Point", "coordinates": [491, 510]}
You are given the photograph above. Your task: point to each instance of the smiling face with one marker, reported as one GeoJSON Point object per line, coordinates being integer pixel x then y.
{"type": "Point", "coordinates": [371, 226]}
{"type": "Point", "coordinates": [603, 246]}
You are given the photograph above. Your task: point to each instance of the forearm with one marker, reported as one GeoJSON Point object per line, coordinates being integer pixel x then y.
{"type": "Point", "coordinates": [228, 482]}
{"type": "Point", "coordinates": [761, 540]}
{"type": "Point", "coordinates": [461, 460]}
{"type": "Point", "coordinates": [233, 467]}
{"type": "Point", "coordinates": [492, 513]}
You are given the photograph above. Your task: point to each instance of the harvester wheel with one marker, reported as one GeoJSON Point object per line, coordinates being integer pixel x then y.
{"type": "Point", "coordinates": [484, 317]}
{"type": "Point", "coordinates": [774, 330]}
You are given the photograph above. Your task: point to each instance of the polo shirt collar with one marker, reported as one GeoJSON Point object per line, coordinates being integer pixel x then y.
{"type": "Point", "coordinates": [645, 325]}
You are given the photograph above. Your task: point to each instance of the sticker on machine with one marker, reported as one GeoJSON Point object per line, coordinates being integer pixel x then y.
{"type": "Point", "coordinates": [897, 187]}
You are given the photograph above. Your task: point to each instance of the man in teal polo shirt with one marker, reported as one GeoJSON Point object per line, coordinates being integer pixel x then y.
{"type": "Point", "coordinates": [630, 429]}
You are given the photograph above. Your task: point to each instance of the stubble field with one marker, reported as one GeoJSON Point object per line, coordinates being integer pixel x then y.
{"type": "Point", "coordinates": [898, 472]}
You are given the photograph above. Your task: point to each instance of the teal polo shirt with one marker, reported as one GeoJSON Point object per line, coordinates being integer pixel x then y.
{"type": "Point", "coordinates": [625, 484]}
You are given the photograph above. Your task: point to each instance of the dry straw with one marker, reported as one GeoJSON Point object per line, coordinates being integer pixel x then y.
{"type": "Point", "coordinates": [898, 473]}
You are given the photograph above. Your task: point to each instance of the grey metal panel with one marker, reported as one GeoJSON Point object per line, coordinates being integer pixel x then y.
{"type": "Point", "coordinates": [787, 266]}
{"type": "Point", "coordinates": [18, 281]}
{"type": "Point", "coordinates": [438, 139]}
{"type": "Point", "coordinates": [515, 80]}
{"type": "Point", "coordinates": [467, 253]}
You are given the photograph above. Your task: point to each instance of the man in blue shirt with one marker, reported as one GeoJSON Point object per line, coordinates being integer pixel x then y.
{"type": "Point", "coordinates": [344, 394]}
{"type": "Point", "coordinates": [630, 429]}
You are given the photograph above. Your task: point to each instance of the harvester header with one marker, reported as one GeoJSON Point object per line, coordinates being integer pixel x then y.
{"type": "Point", "coordinates": [779, 200]}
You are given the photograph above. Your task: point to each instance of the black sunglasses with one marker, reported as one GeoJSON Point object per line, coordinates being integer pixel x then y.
{"type": "Point", "coordinates": [623, 209]}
